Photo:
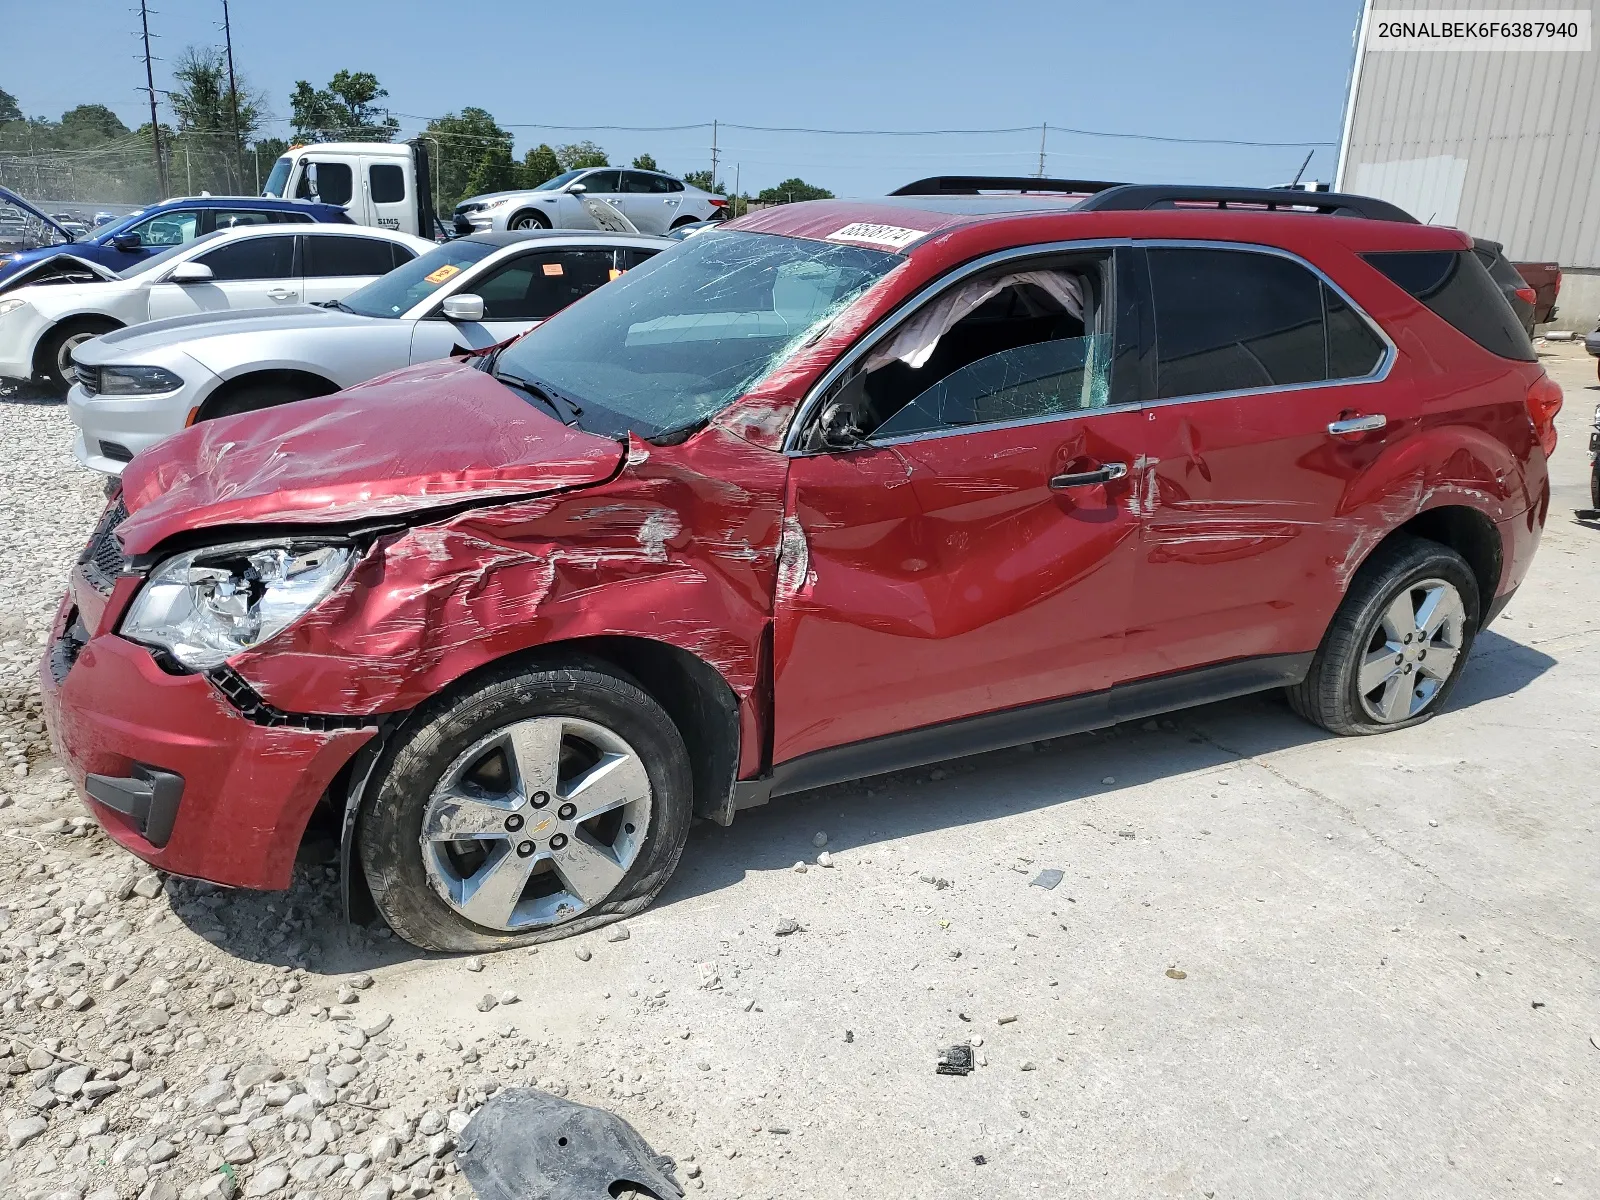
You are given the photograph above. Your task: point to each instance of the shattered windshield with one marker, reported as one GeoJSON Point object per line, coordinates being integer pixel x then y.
{"type": "Point", "coordinates": [675, 341]}
{"type": "Point", "coordinates": [406, 286]}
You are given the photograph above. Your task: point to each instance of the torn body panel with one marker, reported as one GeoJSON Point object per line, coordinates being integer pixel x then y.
{"type": "Point", "coordinates": [682, 545]}
{"type": "Point", "coordinates": [59, 268]}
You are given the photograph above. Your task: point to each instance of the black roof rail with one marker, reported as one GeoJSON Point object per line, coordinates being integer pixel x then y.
{"type": "Point", "coordinates": [972, 185]}
{"type": "Point", "coordinates": [1139, 196]}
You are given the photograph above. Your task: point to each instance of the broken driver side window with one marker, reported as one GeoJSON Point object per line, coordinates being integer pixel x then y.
{"type": "Point", "coordinates": [1007, 345]}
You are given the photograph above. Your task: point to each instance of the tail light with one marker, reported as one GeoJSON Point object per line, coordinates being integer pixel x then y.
{"type": "Point", "coordinates": [1527, 295]}
{"type": "Point", "coordinates": [718, 202]}
{"type": "Point", "coordinates": [1544, 402]}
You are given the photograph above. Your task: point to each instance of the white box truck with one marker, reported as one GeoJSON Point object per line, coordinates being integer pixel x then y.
{"type": "Point", "coordinates": [388, 185]}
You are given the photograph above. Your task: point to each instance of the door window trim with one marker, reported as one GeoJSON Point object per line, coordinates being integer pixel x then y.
{"type": "Point", "coordinates": [1377, 375]}
{"type": "Point", "coordinates": [812, 402]}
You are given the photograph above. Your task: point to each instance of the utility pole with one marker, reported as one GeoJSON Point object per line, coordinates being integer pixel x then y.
{"type": "Point", "coordinates": [233, 91]}
{"type": "Point", "coordinates": [150, 87]}
{"type": "Point", "coordinates": [737, 167]}
{"type": "Point", "coordinates": [1044, 128]}
{"type": "Point", "coordinates": [713, 154]}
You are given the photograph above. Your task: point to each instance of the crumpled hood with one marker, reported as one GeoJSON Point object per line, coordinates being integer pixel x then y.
{"type": "Point", "coordinates": [425, 436]}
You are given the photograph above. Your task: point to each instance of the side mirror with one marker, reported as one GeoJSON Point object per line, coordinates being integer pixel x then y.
{"type": "Point", "coordinates": [127, 242]}
{"type": "Point", "coordinates": [577, 189]}
{"type": "Point", "coordinates": [191, 272]}
{"type": "Point", "coordinates": [465, 307]}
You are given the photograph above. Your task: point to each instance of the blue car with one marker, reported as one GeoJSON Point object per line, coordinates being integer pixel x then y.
{"type": "Point", "coordinates": [34, 247]}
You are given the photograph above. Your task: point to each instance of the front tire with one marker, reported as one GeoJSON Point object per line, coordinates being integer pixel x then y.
{"type": "Point", "coordinates": [1397, 645]}
{"type": "Point", "coordinates": [529, 220]}
{"type": "Point", "coordinates": [544, 803]}
{"type": "Point", "coordinates": [53, 360]}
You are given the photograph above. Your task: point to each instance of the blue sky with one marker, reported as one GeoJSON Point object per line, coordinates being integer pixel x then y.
{"type": "Point", "coordinates": [1250, 70]}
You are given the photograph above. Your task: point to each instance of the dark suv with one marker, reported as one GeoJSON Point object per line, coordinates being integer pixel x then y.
{"type": "Point", "coordinates": [838, 489]}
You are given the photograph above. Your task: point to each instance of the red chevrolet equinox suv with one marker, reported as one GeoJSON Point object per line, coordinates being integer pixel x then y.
{"type": "Point", "coordinates": [837, 489]}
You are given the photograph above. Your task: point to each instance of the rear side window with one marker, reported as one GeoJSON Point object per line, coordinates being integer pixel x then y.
{"type": "Point", "coordinates": [1457, 287]}
{"type": "Point", "coordinates": [251, 258]}
{"type": "Point", "coordinates": [388, 183]}
{"type": "Point", "coordinates": [338, 255]}
{"type": "Point", "coordinates": [1233, 321]}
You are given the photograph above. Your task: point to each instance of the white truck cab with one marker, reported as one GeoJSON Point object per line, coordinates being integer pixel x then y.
{"type": "Point", "coordinates": [387, 185]}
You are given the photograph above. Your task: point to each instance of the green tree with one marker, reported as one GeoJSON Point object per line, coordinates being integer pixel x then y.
{"type": "Point", "coordinates": [538, 165]}
{"type": "Point", "coordinates": [702, 180]}
{"type": "Point", "coordinates": [344, 111]}
{"type": "Point", "coordinates": [791, 190]}
{"type": "Point", "coordinates": [211, 148]}
{"type": "Point", "coordinates": [581, 154]}
{"type": "Point", "coordinates": [90, 124]}
{"type": "Point", "coordinates": [646, 162]}
{"type": "Point", "coordinates": [8, 107]}
{"type": "Point", "coordinates": [472, 151]}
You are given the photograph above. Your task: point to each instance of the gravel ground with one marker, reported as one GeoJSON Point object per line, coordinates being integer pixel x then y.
{"type": "Point", "coordinates": [1275, 964]}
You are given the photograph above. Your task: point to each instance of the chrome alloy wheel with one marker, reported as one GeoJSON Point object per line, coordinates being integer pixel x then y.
{"type": "Point", "coordinates": [536, 823]}
{"type": "Point", "coordinates": [1412, 651]}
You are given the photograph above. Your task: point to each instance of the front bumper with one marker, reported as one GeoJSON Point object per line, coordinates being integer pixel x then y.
{"type": "Point", "coordinates": [243, 791]}
{"type": "Point", "coordinates": [112, 429]}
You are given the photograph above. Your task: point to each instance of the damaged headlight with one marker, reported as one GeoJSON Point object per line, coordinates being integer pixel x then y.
{"type": "Point", "coordinates": [12, 303]}
{"type": "Point", "coordinates": [206, 606]}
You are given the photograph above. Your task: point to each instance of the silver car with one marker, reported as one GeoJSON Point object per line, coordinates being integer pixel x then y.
{"type": "Point", "coordinates": [139, 385]}
{"type": "Point", "coordinates": [654, 202]}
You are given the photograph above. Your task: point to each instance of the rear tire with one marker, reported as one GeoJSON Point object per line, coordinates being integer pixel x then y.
{"type": "Point", "coordinates": [252, 398]}
{"type": "Point", "coordinates": [529, 220]}
{"type": "Point", "coordinates": [1384, 634]}
{"type": "Point", "coordinates": [686, 220]}
{"type": "Point", "coordinates": [472, 763]}
{"type": "Point", "coordinates": [1594, 483]}
{"type": "Point", "coordinates": [52, 362]}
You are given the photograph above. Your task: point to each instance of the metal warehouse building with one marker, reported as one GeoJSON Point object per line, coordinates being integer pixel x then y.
{"type": "Point", "coordinates": [1502, 144]}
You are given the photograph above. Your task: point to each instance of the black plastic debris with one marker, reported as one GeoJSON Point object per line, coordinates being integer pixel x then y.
{"type": "Point", "coordinates": [1047, 879]}
{"type": "Point", "coordinates": [955, 1060]}
{"type": "Point", "coordinates": [979, 1160]}
{"type": "Point", "coordinates": [526, 1144]}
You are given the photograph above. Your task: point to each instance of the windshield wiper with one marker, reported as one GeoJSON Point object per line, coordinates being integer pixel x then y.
{"type": "Point", "coordinates": [338, 304]}
{"type": "Point", "coordinates": [566, 410]}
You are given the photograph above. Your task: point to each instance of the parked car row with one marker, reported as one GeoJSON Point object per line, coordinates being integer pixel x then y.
{"type": "Point", "coordinates": [141, 384]}
{"type": "Point", "coordinates": [837, 488]}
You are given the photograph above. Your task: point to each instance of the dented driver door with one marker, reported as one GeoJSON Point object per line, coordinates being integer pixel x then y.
{"type": "Point", "coordinates": [977, 555]}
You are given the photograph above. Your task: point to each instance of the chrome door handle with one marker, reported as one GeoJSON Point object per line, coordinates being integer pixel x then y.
{"type": "Point", "coordinates": [1368, 424]}
{"type": "Point", "coordinates": [1103, 474]}
{"type": "Point", "coordinates": [281, 294]}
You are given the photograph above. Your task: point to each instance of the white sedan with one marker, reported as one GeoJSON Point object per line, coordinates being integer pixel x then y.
{"type": "Point", "coordinates": [137, 386]}
{"type": "Point", "coordinates": [264, 266]}
{"type": "Point", "coordinates": [651, 201]}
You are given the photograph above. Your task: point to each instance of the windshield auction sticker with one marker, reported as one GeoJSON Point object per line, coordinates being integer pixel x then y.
{"type": "Point", "coordinates": [892, 236]}
{"type": "Point", "coordinates": [443, 273]}
{"type": "Point", "coordinates": [1545, 29]}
